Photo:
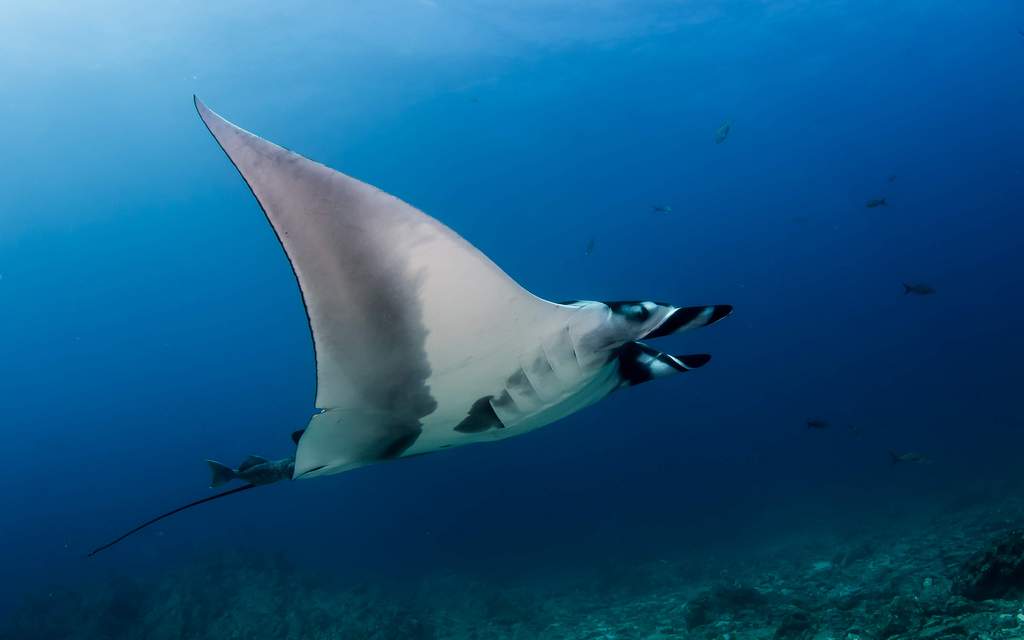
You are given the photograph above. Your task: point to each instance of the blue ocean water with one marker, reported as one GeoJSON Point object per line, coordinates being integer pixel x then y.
{"type": "Point", "coordinates": [151, 320]}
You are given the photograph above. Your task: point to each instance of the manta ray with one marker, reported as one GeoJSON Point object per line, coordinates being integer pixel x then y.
{"type": "Point", "coordinates": [421, 342]}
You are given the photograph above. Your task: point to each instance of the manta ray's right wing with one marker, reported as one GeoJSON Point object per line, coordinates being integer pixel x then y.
{"type": "Point", "coordinates": [408, 319]}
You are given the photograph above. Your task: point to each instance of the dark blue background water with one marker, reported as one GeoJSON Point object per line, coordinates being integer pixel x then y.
{"type": "Point", "coordinates": [150, 319]}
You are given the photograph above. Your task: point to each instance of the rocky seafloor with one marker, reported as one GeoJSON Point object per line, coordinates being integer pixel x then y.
{"type": "Point", "coordinates": [958, 573]}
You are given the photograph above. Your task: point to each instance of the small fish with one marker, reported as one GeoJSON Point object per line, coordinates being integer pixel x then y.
{"type": "Point", "coordinates": [817, 423]}
{"type": "Point", "coordinates": [661, 208]}
{"type": "Point", "coordinates": [918, 289]}
{"type": "Point", "coordinates": [590, 247]}
{"type": "Point", "coordinates": [910, 456]}
{"type": "Point", "coordinates": [892, 178]}
{"type": "Point", "coordinates": [876, 202]}
{"type": "Point", "coordinates": [723, 132]}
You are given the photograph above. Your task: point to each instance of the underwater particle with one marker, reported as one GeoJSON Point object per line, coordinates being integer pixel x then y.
{"type": "Point", "coordinates": [723, 132]}
{"type": "Point", "coordinates": [817, 423]}
{"type": "Point", "coordinates": [892, 177]}
{"type": "Point", "coordinates": [917, 289]}
{"type": "Point", "coordinates": [854, 430]}
{"type": "Point", "coordinates": [590, 247]}
{"type": "Point", "coordinates": [911, 457]}
{"type": "Point", "coordinates": [876, 202]}
{"type": "Point", "coordinates": [661, 208]}
{"type": "Point", "coordinates": [821, 566]}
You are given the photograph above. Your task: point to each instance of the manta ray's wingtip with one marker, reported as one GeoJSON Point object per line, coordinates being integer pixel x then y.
{"type": "Point", "coordinates": [204, 111]}
{"type": "Point", "coordinates": [211, 118]}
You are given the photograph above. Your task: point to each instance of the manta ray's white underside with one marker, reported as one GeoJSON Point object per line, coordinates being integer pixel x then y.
{"type": "Point", "coordinates": [414, 329]}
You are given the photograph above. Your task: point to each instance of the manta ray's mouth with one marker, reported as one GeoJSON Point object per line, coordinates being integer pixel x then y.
{"type": "Point", "coordinates": [309, 472]}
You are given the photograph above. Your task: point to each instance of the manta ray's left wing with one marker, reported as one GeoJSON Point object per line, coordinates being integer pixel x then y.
{"type": "Point", "coordinates": [409, 321]}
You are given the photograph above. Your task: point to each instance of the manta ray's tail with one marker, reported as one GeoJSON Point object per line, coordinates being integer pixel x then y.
{"type": "Point", "coordinates": [169, 513]}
